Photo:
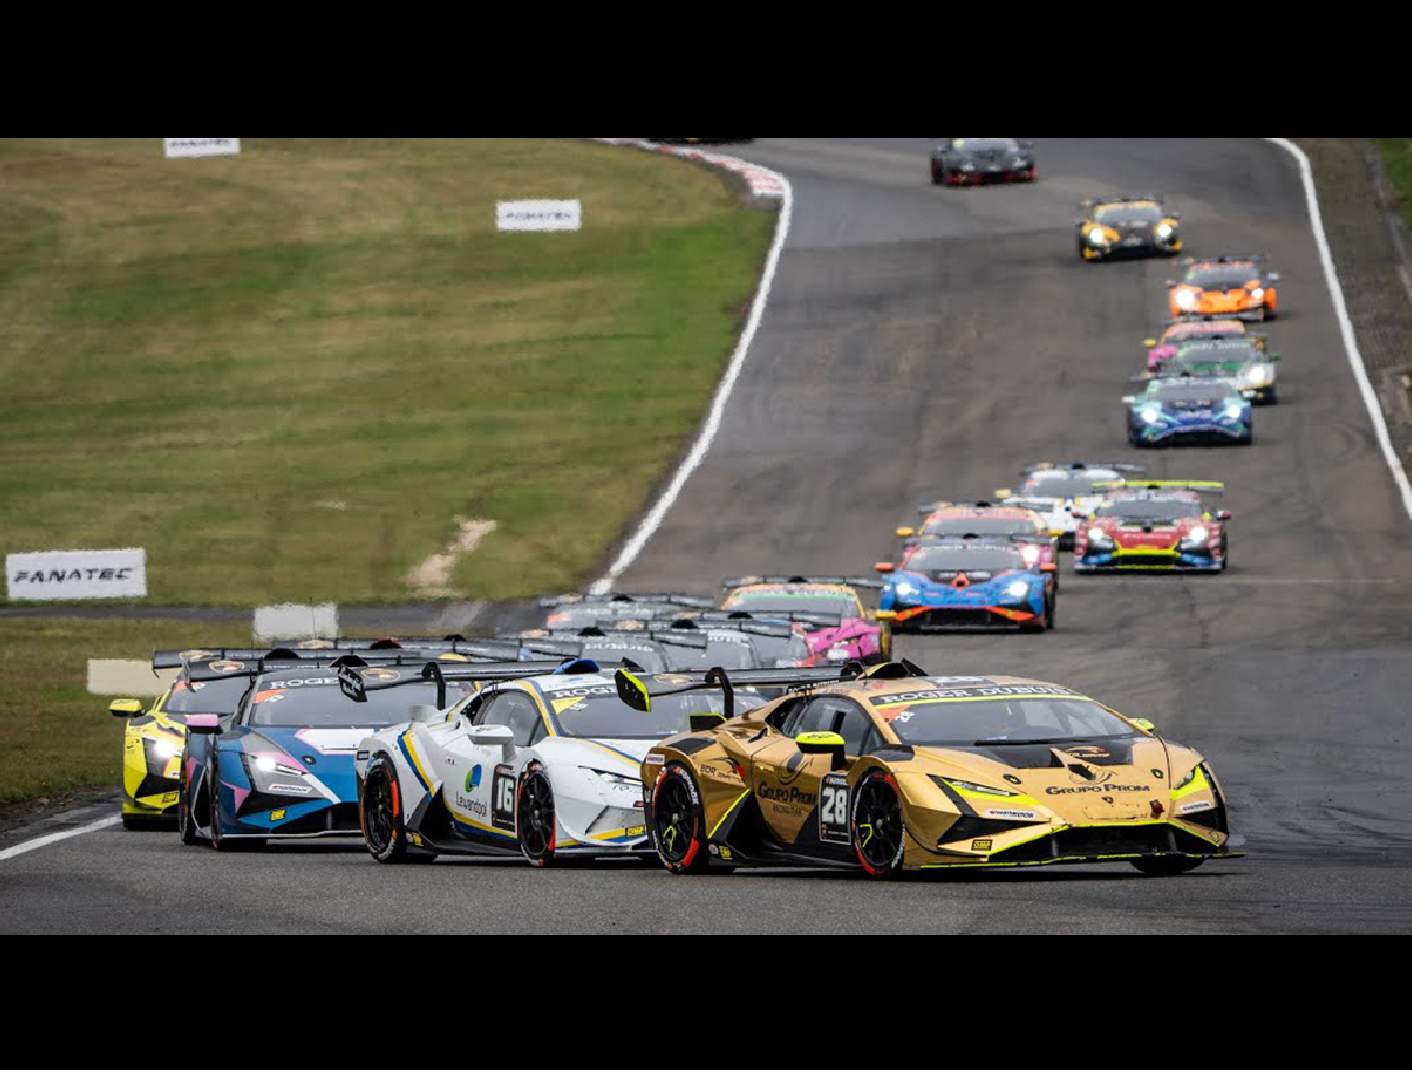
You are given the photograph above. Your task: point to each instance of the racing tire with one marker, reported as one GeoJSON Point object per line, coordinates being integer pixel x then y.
{"type": "Point", "coordinates": [535, 822]}
{"type": "Point", "coordinates": [678, 823]}
{"type": "Point", "coordinates": [186, 821]}
{"type": "Point", "coordinates": [1051, 618]}
{"type": "Point", "coordinates": [218, 839]}
{"type": "Point", "coordinates": [878, 827]}
{"type": "Point", "coordinates": [1168, 867]}
{"type": "Point", "coordinates": [939, 176]}
{"type": "Point", "coordinates": [380, 814]}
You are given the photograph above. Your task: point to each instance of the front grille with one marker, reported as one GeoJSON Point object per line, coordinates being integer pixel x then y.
{"type": "Point", "coordinates": [978, 828]}
{"type": "Point", "coordinates": [1147, 561]}
{"type": "Point", "coordinates": [1095, 843]}
{"type": "Point", "coordinates": [958, 619]}
{"type": "Point", "coordinates": [336, 819]}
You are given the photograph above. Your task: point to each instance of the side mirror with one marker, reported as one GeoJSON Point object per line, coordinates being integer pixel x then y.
{"type": "Point", "coordinates": [205, 724]}
{"type": "Point", "coordinates": [1225, 516]}
{"type": "Point", "coordinates": [426, 715]}
{"type": "Point", "coordinates": [126, 708]}
{"type": "Point", "coordinates": [886, 568]}
{"type": "Point", "coordinates": [1145, 724]}
{"type": "Point", "coordinates": [906, 533]}
{"type": "Point", "coordinates": [633, 692]}
{"type": "Point", "coordinates": [1274, 276]}
{"type": "Point", "coordinates": [494, 735]}
{"type": "Point", "coordinates": [825, 743]}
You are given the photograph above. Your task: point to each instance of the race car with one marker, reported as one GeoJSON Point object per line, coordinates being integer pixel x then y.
{"type": "Point", "coordinates": [1131, 226]}
{"type": "Point", "coordinates": [896, 772]}
{"type": "Point", "coordinates": [154, 736]}
{"type": "Point", "coordinates": [1202, 412]}
{"type": "Point", "coordinates": [976, 161]}
{"type": "Point", "coordinates": [969, 585]}
{"type": "Point", "coordinates": [1156, 527]}
{"type": "Point", "coordinates": [282, 768]}
{"type": "Point", "coordinates": [547, 766]}
{"type": "Point", "coordinates": [1244, 360]}
{"type": "Point", "coordinates": [1236, 286]}
{"type": "Point", "coordinates": [1062, 491]}
{"type": "Point", "coordinates": [984, 520]}
{"type": "Point", "coordinates": [779, 644]}
{"type": "Point", "coordinates": [589, 610]}
{"type": "Point", "coordinates": [1177, 332]}
{"type": "Point", "coordinates": [858, 637]}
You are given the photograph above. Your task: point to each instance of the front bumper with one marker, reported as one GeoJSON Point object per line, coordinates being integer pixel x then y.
{"type": "Point", "coordinates": [1148, 561]}
{"type": "Point", "coordinates": [923, 619]}
{"type": "Point", "coordinates": [1218, 434]}
{"type": "Point", "coordinates": [1093, 845]}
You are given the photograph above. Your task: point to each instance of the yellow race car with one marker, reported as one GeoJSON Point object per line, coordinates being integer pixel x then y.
{"type": "Point", "coordinates": [1111, 228]}
{"type": "Point", "coordinates": [892, 771]}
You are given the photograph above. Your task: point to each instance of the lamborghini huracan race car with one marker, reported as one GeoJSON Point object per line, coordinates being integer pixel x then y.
{"type": "Point", "coordinates": [1190, 411]}
{"type": "Point", "coordinates": [969, 585]}
{"type": "Point", "coordinates": [1156, 527]}
{"type": "Point", "coordinates": [548, 766]}
{"type": "Point", "coordinates": [1060, 492]}
{"type": "Point", "coordinates": [589, 611]}
{"type": "Point", "coordinates": [1237, 286]}
{"type": "Point", "coordinates": [282, 768]}
{"type": "Point", "coordinates": [1114, 227]}
{"type": "Point", "coordinates": [1245, 361]}
{"type": "Point", "coordinates": [897, 772]}
{"type": "Point", "coordinates": [859, 637]}
{"type": "Point", "coordinates": [780, 644]}
{"type": "Point", "coordinates": [976, 161]}
{"type": "Point", "coordinates": [1161, 350]}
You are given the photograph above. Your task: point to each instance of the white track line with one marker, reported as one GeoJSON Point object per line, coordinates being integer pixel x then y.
{"type": "Point", "coordinates": [58, 837]}
{"type": "Point", "coordinates": [712, 426]}
{"type": "Point", "coordinates": [1350, 338]}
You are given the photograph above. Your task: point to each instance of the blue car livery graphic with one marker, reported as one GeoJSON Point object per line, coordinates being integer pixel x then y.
{"type": "Point", "coordinates": [970, 584]}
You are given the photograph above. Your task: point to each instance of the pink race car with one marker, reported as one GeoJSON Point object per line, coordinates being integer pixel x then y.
{"type": "Point", "coordinates": [1160, 351]}
{"type": "Point", "coordinates": [816, 603]}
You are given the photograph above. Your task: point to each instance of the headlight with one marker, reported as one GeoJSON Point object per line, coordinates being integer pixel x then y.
{"type": "Point", "coordinates": [1097, 237]}
{"type": "Point", "coordinates": [1191, 779]}
{"type": "Point", "coordinates": [1166, 230]}
{"type": "Point", "coordinates": [1151, 416]}
{"type": "Point", "coordinates": [269, 765]}
{"type": "Point", "coordinates": [1031, 554]}
{"type": "Point", "coordinates": [616, 780]}
{"type": "Point", "coordinates": [979, 789]}
{"type": "Point", "coordinates": [1018, 589]}
{"type": "Point", "coordinates": [1260, 375]}
{"type": "Point", "coordinates": [165, 750]}
{"type": "Point", "coordinates": [905, 590]}
{"type": "Point", "coordinates": [1186, 299]}
{"type": "Point", "coordinates": [1099, 537]}
{"type": "Point", "coordinates": [1257, 295]}
{"type": "Point", "coordinates": [1198, 536]}
{"type": "Point", "coordinates": [1235, 412]}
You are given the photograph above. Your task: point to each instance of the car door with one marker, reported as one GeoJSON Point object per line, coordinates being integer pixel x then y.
{"type": "Point", "coordinates": [480, 783]}
{"type": "Point", "coordinates": [787, 782]}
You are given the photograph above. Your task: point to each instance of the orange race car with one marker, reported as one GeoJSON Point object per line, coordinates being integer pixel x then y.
{"type": "Point", "coordinates": [1235, 286]}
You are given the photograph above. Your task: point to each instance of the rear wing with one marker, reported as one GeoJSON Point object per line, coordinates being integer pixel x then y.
{"type": "Point", "coordinates": [684, 600]}
{"type": "Point", "coordinates": [210, 670]}
{"type": "Point", "coordinates": [1215, 490]}
{"type": "Point", "coordinates": [355, 683]}
{"type": "Point", "coordinates": [733, 622]}
{"type": "Point", "coordinates": [862, 583]}
{"type": "Point", "coordinates": [1086, 466]}
{"type": "Point", "coordinates": [1123, 198]}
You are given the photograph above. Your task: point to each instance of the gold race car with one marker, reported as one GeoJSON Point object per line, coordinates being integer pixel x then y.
{"type": "Point", "coordinates": [892, 771]}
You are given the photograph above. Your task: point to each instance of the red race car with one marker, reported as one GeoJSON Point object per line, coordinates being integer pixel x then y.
{"type": "Point", "coordinates": [1156, 527]}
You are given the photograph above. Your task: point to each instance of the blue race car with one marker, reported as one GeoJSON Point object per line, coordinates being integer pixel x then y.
{"type": "Point", "coordinates": [283, 767]}
{"type": "Point", "coordinates": [969, 584]}
{"type": "Point", "coordinates": [1190, 411]}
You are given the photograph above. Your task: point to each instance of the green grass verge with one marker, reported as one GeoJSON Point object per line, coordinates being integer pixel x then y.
{"type": "Point", "coordinates": [286, 374]}
{"type": "Point", "coordinates": [1397, 159]}
{"type": "Point", "coordinates": [54, 736]}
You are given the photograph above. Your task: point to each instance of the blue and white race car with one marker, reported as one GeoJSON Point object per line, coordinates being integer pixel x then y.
{"type": "Point", "coordinates": [1190, 411]}
{"type": "Point", "coordinates": [969, 585]}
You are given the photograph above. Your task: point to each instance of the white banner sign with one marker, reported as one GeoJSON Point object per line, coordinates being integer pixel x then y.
{"type": "Point", "coordinates": [76, 576]}
{"type": "Point", "coordinates": [539, 215]}
{"type": "Point", "coordinates": [180, 148]}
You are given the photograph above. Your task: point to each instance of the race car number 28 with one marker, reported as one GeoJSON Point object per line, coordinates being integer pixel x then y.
{"type": "Point", "coordinates": [833, 810]}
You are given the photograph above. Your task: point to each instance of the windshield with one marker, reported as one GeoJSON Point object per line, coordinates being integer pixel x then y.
{"type": "Point", "coordinates": [1067, 484]}
{"type": "Point", "coordinates": [1222, 278]}
{"type": "Point", "coordinates": [977, 558]}
{"type": "Point", "coordinates": [1211, 393]}
{"type": "Point", "coordinates": [607, 651]}
{"type": "Point", "coordinates": [1217, 353]}
{"type": "Point", "coordinates": [317, 702]}
{"type": "Point", "coordinates": [577, 617]}
{"type": "Point", "coordinates": [1014, 715]}
{"type": "Point", "coordinates": [985, 144]}
{"type": "Point", "coordinates": [730, 652]}
{"type": "Point", "coordinates": [1149, 512]}
{"type": "Point", "coordinates": [600, 714]}
{"type": "Point", "coordinates": [220, 697]}
{"type": "Point", "coordinates": [761, 606]}
{"type": "Point", "coordinates": [1122, 214]}
{"type": "Point", "coordinates": [995, 528]}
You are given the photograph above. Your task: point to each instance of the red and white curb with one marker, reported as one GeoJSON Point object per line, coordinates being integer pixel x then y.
{"type": "Point", "coordinates": [764, 184]}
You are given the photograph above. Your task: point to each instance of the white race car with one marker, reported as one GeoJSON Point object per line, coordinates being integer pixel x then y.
{"type": "Point", "coordinates": [1066, 493]}
{"type": "Point", "coordinates": [548, 766]}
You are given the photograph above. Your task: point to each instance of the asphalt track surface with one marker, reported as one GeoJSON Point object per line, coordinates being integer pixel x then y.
{"type": "Point", "coordinates": [924, 343]}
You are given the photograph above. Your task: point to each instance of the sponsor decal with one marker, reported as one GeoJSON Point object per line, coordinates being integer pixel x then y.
{"type": "Point", "coordinates": [983, 846]}
{"type": "Point", "coordinates": [790, 796]}
{"type": "Point", "coordinates": [289, 789]}
{"type": "Point", "coordinates": [279, 815]}
{"type": "Point", "coordinates": [834, 823]}
{"type": "Point", "coordinates": [1010, 815]}
{"type": "Point", "coordinates": [1088, 753]}
{"type": "Point", "coordinates": [722, 769]}
{"type": "Point", "coordinates": [655, 761]}
{"type": "Point", "coordinates": [1103, 789]}
{"type": "Point", "coordinates": [473, 779]}
{"type": "Point", "coordinates": [918, 697]}
{"type": "Point", "coordinates": [539, 215]}
{"type": "Point", "coordinates": [381, 676]}
{"type": "Point", "coordinates": [1196, 808]}
{"type": "Point", "coordinates": [1012, 779]}
{"type": "Point", "coordinates": [226, 667]}
{"type": "Point", "coordinates": [186, 148]}
{"type": "Point", "coordinates": [502, 798]}
{"type": "Point", "coordinates": [76, 576]}
{"type": "Point", "coordinates": [471, 806]}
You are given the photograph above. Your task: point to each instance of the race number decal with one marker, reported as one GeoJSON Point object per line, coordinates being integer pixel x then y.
{"type": "Point", "coordinates": [833, 810]}
{"type": "Point", "coordinates": [502, 799]}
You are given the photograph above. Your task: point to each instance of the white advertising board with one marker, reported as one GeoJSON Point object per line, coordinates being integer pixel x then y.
{"type": "Point", "coordinates": [186, 148]}
{"type": "Point", "coordinates": [539, 215]}
{"type": "Point", "coordinates": [77, 575]}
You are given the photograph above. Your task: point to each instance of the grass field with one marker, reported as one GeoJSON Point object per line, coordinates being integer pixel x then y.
{"type": "Point", "coordinates": [54, 735]}
{"type": "Point", "coordinates": [1397, 158]}
{"type": "Point", "coordinates": [287, 374]}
